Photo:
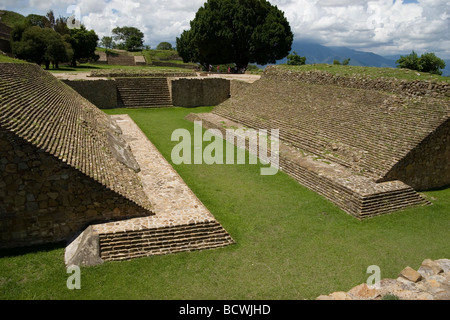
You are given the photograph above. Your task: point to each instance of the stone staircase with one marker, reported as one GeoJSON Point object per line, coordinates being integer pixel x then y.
{"type": "Point", "coordinates": [165, 240]}
{"type": "Point", "coordinates": [121, 60]}
{"type": "Point", "coordinates": [144, 92]}
{"type": "Point", "coordinates": [357, 195]}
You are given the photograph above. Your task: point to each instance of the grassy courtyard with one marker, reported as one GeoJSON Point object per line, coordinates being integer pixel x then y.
{"type": "Point", "coordinates": [290, 242]}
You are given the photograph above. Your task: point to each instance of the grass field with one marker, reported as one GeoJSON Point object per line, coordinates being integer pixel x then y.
{"type": "Point", "coordinates": [290, 242]}
{"type": "Point", "coordinates": [371, 72]}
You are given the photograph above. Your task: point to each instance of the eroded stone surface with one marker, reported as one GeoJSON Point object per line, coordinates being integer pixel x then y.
{"type": "Point", "coordinates": [410, 285]}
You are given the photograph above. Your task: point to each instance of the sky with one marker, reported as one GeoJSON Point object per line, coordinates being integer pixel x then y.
{"type": "Point", "coordinates": [385, 27]}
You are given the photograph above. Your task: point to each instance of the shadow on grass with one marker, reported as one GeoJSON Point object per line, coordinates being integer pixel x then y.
{"type": "Point", "coordinates": [31, 249]}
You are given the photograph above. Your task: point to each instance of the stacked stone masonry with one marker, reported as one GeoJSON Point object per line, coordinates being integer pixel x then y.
{"type": "Point", "coordinates": [374, 147]}
{"type": "Point", "coordinates": [58, 172]}
{"type": "Point", "coordinates": [181, 222]}
{"type": "Point", "coordinates": [355, 194]}
{"type": "Point", "coordinates": [143, 92]}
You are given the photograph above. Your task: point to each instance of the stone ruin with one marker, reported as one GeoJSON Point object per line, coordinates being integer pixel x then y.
{"type": "Point", "coordinates": [367, 145]}
{"type": "Point", "coordinates": [69, 172]}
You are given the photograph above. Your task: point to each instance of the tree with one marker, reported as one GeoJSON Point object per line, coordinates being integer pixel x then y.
{"type": "Point", "coordinates": [346, 62]}
{"type": "Point", "coordinates": [428, 62]}
{"type": "Point", "coordinates": [336, 62]}
{"type": "Point", "coordinates": [39, 21]}
{"type": "Point", "coordinates": [411, 61]}
{"type": "Point", "coordinates": [236, 31]}
{"type": "Point", "coordinates": [107, 42]}
{"type": "Point", "coordinates": [51, 19]}
{"type": "Point", "coordinates": [131, 37]}
{"type": "Point", "coordinates": [432, 64]}
{"type": "Point", "coordinates": [295, 60]}
{"type": "Point", "coordinates": [84, 43]}
{"type": "Point", "coordinates": [41, 45]}
{"type": "Point", "coordinates": [164, 46]}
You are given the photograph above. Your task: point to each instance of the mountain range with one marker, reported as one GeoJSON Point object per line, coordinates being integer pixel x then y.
{"type": "Point", "coordinates": [316, 53]}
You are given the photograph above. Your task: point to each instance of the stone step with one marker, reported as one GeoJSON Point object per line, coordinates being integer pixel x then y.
{"type": "Point", "coordinates": [128, 245]}
{"type": "Point", "coordinates": [357, 195]}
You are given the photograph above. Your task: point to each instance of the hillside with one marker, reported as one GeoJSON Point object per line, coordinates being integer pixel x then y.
{"type": "Point", "coordinates": [10, 18]}
{"type": "Point", "coordinates": [317, 54]}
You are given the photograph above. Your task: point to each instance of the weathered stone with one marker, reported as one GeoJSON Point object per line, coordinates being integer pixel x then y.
{"type": "Point", "coordinates": [324, 297]}
{"type": "Point", "coordinates": [444, 264]}
{"type": "Point", "coordinates": [84, 250]}
{"type": "Point", "coordinates": [429, 268]}
{"type": "Point", "coordinates": [410, 274]}
{"type": "Point", "coordinates": [340, 295]}
{"type": "Point", "coordinates": [363, 292]}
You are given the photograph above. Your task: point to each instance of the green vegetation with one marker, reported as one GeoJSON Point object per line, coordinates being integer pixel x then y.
{"type": "Point", "coordinates": [290, 242]}
{"type": "Point", "coordinates": [164, 46]}
{"type": "Point", "coordinates": [130, 38]}
{"type": "Point", "coordinates": [428, 62]}
{"type": "Point", "coordinates": [10, 18]}
{"type": "Point", "coordinates": [236, 31]}
{"type": "Point", "coordinates": [295, 60]}
{"type": "Point", "coordinates": [4, 58]}
{"type": "Point", "coordinates": [44, 39]}
{"type": "Point", "coordinates": [371, 72]}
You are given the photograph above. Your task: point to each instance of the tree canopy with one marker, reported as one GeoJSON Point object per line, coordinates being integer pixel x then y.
{"type": "Point", "coordinates": [428, 62]}
{"type": "Point", "coordinates": [41, 45]}
{"type": "Point", "coordinates": [295, 60]}
{"type": "Point", "coordinates": [236, 31]}
{"type": "Point", "coordinates": [164, 46]}
{"type": "Point", "coordinates": [131, 38]}
{"type": "Point", "coordinates": [45, 39]}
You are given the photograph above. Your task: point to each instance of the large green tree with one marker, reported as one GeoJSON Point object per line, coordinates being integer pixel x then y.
{"type": "Point", "coordinates": [40, 45]}
{"type": "Point", "coordinates": [428, 62]}
{"type": "Point", "coordinates": [236, 31]}
{"type": "Point", "coordinates": [84, 43]}
{"type": "Point", "coordinates": [131, 38]}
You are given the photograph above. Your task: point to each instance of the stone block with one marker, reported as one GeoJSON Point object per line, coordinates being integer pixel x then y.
{"type": "Point", "coordinates": [429, 268]}
{"type": "Point", "coordinates": [410, 274]}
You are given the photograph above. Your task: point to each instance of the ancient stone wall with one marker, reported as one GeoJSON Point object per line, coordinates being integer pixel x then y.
{"type": "Point", "coordinates": [102, 93]}
{"type": "Point", "coordinates": [44, 200]}
{"type": "Point", "coordinates": [410, 88]}
{"type": "Point", "coordinates": [427, 166]}
{"type": "Point", "coordinates": [237, 86]}
{"type": "Point", "coordinates": [199, 92]}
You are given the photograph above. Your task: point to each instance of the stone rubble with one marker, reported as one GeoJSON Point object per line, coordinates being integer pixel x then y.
{"type": "Point", "coordinates": [430, 282]}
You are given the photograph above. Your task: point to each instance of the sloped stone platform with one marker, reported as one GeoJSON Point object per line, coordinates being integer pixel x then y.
{"type": "Point", "coordinates": [357, 195]}
{"type": "Point", "coordinates": [181, 222]}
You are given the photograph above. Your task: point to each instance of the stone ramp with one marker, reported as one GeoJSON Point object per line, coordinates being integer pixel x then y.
{"type": "Point", "coordinates": [144, 92]}
{"type": "Point", "coordinates": [357, 195]}
{"type": "Point", "coordinates": [181, 222]}
{"type": "Point", "coordinates": [367, 130]}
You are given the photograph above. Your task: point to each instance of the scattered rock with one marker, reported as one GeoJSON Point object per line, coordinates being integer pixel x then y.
{"type": "Point", "coordinates": [410, 274]}
{"type": "Point", "coordinates": [430, 282]}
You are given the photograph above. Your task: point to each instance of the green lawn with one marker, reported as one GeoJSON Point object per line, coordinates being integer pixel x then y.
{"type": "Point", "coordinates": [371, 72]}
{"type": "Point", "coordinates": [290, 242]}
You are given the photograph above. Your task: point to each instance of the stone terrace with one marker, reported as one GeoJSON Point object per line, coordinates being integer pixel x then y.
{"type": "Point", "coordinates": [340, 140]}
{"type": "Point", "coordinates": [181, 222]}
{"type": "Point", "coordinates": [52, 116]}
{"type": "Point", "coordinates": [368, 131]}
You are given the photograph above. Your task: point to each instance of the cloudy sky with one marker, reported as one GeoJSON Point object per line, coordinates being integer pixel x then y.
{"type": "Point", "coordinates": [381, 26]}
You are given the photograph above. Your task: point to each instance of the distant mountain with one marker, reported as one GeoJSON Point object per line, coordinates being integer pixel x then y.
{"type": "Point", "coordinates": [316, 53]}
